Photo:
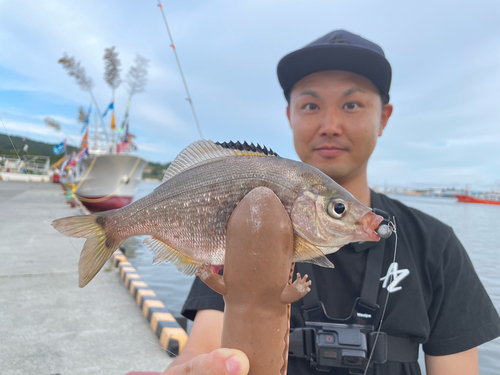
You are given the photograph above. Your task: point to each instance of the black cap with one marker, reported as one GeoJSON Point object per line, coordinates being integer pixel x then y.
{"type": "Point", "coordinates": [338, 50]}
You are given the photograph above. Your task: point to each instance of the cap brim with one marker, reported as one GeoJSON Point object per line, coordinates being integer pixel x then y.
{"type": "Point", "coordinates": [298, 64]}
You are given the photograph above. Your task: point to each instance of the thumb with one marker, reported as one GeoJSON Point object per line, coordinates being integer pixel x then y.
{"type": "Point", "coordinates": [218, 362]}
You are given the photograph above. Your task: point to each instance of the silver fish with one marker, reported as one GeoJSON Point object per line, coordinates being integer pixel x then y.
{"type": "Point", "coordinates": [187, 214]}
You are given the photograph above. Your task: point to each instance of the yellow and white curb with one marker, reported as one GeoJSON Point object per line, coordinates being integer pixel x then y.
{"type": "Point", "coordinates": [172, 336]}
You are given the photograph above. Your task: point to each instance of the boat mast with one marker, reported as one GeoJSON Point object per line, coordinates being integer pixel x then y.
{"type": "Point", "coordinates": [97, 144]}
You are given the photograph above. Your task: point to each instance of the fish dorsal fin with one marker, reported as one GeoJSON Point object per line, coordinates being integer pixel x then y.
{"type": "Point", "coordinates": [165, 253]}
{"type": "Point", "coordinates": [204, 150]}
{"type": "Point", "coordinates": [306, 252]}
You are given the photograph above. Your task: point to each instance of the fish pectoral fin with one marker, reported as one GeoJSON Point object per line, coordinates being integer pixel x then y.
{"type": "Point", "coordinates": [165, 253]}
{"type": "Point", "coordinates": [306, 252]}
{"type": "Point", "coordinates": [328, 250]}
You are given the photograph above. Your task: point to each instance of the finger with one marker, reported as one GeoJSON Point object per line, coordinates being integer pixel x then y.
{"type": "Point", "coordinates": [298, 275]}
{"type": "Point", "coordinates": [305, 277]}
{"type": "Point", "coordinates": [218, 362]}
{"type": "Point", "coordinates": [221, 361]}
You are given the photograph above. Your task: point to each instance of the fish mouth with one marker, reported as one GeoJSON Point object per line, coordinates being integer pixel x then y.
{"type": "Point", "coordinates": [369, 223]}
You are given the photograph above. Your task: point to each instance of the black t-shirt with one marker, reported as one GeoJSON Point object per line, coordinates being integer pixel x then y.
{"type": "Point", "coordinates": [435, 298]}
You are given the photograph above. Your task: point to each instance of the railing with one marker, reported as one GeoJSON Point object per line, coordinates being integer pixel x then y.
{"type": "Point", "coordinates": [33, 164]}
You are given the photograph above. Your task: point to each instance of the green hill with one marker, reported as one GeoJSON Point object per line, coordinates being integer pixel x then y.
{"type": "Point", "coordinates": [34, 147]}
{"type": "Point", "coordinates": [155, 170]}
{"type": "Point", "coordinates": [152, 170]}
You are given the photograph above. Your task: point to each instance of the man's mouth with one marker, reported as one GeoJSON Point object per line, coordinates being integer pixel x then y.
{"type": "Point", "coordinates": [329, 151]}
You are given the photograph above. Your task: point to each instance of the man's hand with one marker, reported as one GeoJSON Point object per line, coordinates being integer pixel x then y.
{"type": "Point", "coordinates": [202, 354]}
{"type": "Point", "coordinates": [218, 362]}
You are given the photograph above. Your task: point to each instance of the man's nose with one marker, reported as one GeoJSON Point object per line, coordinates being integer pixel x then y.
{"type": "Point", "coordinates": [332, 125]}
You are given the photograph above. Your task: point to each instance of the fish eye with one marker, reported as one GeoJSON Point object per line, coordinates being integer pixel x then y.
{"type": "Point", "coordinates": [337, 208]}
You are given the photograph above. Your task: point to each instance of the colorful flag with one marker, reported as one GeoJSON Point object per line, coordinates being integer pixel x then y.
{"type": "Point", "coordinates": [86, 123]}
{"type": "Point", "coordinates": [123, 127]}
{"type": "Point", "coordinates": [122, 147]}
{"type": "Point", "coordinates": [111, 106]}
{"type": "Point", "coordinates": [113, 122]}
{"type": "Point", "coordinates": [82, 153]}
{"type": "Point", "coordinates": [72, 162]}
{"type": "Point", "coordinates": [59, 162]}
{"type": "Point", "coordinates": [85, 139]}
{"type": "Point", "coordinates": [125, 120]}
{"type": "Point", "coordinates": [125, 137]}
{"type": "Point", "coordinates": [60, 148]}
{"type": "Point", "coordinates": [64, 164]}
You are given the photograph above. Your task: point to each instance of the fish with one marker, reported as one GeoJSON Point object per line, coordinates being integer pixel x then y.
{"type": "Point", "coordinates": [186, 216]}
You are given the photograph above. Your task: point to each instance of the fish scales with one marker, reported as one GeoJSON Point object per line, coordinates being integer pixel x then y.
{"type": "Point", "coordinates": [190, 212]}
{"type": "Point", "coordinates": [187, 215]}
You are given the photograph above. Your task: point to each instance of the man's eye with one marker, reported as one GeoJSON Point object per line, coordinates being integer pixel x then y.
{"type": "Point", "coordinates": [351, 105]}
{"type": "Point", "coordinates": [311, 106]}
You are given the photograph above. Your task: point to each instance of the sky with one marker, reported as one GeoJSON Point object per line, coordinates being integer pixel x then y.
{"type": "Point", "coordinates": [445, 57]}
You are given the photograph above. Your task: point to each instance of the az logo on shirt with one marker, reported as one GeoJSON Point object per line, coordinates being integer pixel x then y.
{"type": "Point", "coordinates": [396, 276]}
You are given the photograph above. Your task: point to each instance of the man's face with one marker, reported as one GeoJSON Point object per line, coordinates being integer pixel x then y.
{"type": "Point", "coordinates": [336, 117]}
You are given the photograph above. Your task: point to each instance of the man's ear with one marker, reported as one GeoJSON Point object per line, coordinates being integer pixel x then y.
{"type": "Point", "coordinates": [386, 114]}
{"type": "Point", "coordinates": [288, 115]}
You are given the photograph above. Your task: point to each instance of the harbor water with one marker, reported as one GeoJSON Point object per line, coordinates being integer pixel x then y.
{"type": "Point", "coordinates": [476, 225]}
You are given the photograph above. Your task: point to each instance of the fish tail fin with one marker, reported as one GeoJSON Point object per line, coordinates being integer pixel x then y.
{"type": "Point", "coordinates": [100, 245]}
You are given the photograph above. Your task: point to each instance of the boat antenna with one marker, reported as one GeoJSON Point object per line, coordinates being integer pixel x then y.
{"type": "Point", "coordinates": [180, 69]}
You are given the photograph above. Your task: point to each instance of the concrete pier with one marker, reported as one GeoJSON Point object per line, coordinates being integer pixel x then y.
{"type": "Point", "coordinates": [48, 325]}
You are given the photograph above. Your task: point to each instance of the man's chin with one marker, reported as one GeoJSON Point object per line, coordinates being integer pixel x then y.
{"type": "Point", "coordinates": [336, 174]}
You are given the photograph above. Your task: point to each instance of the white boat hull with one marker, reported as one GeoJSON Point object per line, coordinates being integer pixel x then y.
{"type": "Point", "coordinates": [105, 182]}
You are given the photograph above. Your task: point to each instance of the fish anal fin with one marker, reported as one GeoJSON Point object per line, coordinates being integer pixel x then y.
{"type": "Point", "coordinates": [306, 252]}
{"type": "Point", "coordinates": [165, 253]}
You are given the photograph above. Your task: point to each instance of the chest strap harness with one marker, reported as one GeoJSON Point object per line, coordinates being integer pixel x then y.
{"type": "Point", "coordinates": [385, 347]}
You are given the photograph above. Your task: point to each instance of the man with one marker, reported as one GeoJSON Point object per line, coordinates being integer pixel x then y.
{"type": "Point", "coordinates": [337, 89]}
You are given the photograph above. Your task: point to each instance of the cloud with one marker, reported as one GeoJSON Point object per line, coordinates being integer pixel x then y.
{"type": "Point", "coordinates": [445, 76]}
{"type": "Point", "coordinates": [30, 128]}
{"type": "Point", "coordinates": [16, 112]}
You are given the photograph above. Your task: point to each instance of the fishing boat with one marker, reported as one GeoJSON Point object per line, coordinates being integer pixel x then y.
{"type": "Point", "coordinates": [107, 182]}
{"type": "Point", "coordinates": [465, 198]}
{"type": "Point", "coordinates": [104, 174]}
{"type": "Point", "coordinates": [28, 168]}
